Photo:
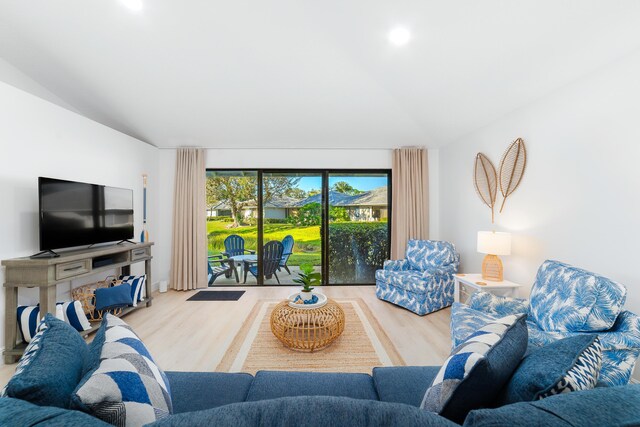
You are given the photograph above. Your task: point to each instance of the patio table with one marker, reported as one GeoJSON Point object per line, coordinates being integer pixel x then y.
{"type": "Point", "coordinates": [240, 259]}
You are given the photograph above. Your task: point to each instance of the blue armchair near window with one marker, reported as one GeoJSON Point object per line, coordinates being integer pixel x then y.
{"type": "Point", "coordinates": [565, 301]}
{"type": "Point", "coordinates": [422, 282]}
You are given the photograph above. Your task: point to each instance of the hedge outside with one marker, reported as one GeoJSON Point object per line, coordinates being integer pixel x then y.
{"type": "Point", "coordinates": [357, 250]}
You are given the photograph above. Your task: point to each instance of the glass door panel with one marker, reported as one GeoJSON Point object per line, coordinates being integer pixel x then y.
{"type": "Point", "coordinates": [358, 230]}
{"type": "Point", "coordinates": [232, 232]}
{"type": "Point", "coordinates": [292, 215]}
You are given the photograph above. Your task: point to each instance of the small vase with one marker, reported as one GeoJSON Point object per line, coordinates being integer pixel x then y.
{"type": "Point", "coordinates": [306, 295]}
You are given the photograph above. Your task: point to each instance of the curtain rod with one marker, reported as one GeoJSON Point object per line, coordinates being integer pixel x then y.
{"type": "Point", "coordinates": [298, 148]}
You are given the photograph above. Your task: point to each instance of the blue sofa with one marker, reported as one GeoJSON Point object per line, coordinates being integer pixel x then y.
{"type": "Point", "coordinates": [388, 397]}
{"type": "Point", "coordinates": [422, 282]}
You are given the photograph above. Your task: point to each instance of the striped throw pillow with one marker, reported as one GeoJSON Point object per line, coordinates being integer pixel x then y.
{"type": "Point", "coordinates": [138, 290]}
{"type": "Point", "coordinates": [70, 312]}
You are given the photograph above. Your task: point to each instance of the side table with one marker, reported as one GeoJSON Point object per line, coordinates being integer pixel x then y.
{"type": "Point", "coordinates": [467, 284]}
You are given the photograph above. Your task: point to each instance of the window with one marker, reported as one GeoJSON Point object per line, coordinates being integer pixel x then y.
{"type": "Point", "coordinates": [337, 221]}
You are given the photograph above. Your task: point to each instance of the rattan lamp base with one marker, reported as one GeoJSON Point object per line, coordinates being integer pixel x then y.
{"type": "Point", "coordinates": [492, 268]}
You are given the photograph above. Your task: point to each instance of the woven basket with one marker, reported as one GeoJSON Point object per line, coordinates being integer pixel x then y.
{"type": "Point", "coordinates": [86, 294]}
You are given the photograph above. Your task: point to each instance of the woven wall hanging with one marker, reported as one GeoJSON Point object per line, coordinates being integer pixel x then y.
{"type": "Point", "coordinates": [486, 181]}
{"type": "Point", "coordinates": [512, 165]}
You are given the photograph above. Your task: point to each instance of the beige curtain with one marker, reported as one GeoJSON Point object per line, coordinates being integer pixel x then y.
{"type": "Point", "coordinates": [189, 243]}
{"type": "Point", "coordinates": [410, 198]}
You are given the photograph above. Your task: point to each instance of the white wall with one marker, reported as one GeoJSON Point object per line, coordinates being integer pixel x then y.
{"type": "Point", "coordinates": [579, 199]}
{"type": "Point", "coordinates": [276, 158]}
{"type": "Point", "coordinates": [38, 138]}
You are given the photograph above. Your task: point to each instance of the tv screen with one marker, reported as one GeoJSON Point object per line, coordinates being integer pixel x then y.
{"type": "Point", "coordinates": [77, 213]}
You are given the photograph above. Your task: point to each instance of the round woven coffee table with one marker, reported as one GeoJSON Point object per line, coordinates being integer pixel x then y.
{"type": "Point", "coordinates": [307, 329]}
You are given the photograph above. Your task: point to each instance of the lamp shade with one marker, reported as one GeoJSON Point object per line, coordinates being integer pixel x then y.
{"type": "Point", "coordinates": [495, 243]}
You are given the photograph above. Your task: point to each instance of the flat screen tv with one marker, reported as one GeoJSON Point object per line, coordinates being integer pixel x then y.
{"type": "Point", "coordinates": [77, 213]}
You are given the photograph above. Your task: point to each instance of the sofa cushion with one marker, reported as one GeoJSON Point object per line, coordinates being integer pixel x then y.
{"type": "Point", "coordinates": [403, 384]}
{"type": "Point", "coordinates": [194, 391]}
{"type": "Point", "coordinates": [51, 366]}
{"type": "Point", "coordinates": [570, 299]}
{"type": "Point", "coordinates": [603, 406]}
{"type": "Point", "coordinates": [275, 384]}
{"type": "Point", "coordinates": [570, 364]}
{"type": "Point", "coordinates": [16, 412]}
{"type": "Point", "coordinates": [428, 254]}
{"type": "Point", "coordinates": [477, 370]}
{"type": "Point", "coordinates": [309, 411]}
{"type": "Point", "coordinates": [127, 387]}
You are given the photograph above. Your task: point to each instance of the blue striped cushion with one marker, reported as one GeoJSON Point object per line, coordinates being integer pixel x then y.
{"type": "Point", "coordinates": [137, 287]}
{"type": "Point", "coordinates": [28, 318]}
{"type": "Point", "coordinates": [70, 312]}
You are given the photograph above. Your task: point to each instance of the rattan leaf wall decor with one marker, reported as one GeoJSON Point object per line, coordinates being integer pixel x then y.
{"type": "Point", "coordinates": [485, 181]}
{"type": "Point", "coordinates": [512, 165]}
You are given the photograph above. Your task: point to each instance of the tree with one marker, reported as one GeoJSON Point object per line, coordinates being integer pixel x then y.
{"type": "Point", "coordinates": [296, 193]}
{"type": "Point", "coordinates": [313, 192]}
{"type": "Point", "coordinates": [345, 188]}
{"type": "Point", "coordinates": [236, 191]}
{"type": "Point", "coordinates": [277, 186]}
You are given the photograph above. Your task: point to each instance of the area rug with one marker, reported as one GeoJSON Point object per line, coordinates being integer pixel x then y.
{"type": "Point", "coordinates": [362, 346]}
{"type": "Point", "coordinates": [217, 296]}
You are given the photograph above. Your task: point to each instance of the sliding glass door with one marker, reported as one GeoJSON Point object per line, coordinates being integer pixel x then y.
{"type": "Point", "coordinates": [358, 229]}
{"type": "Point", "coordinates": [335, 221]}
{"type": "Point", "coordinates": [292, 215]}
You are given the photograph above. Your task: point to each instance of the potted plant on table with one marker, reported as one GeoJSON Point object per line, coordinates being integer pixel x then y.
{"type": "Point", "coordinates": [307, 277]}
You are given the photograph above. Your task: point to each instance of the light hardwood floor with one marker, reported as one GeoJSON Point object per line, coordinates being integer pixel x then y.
{"type": "Point", "coordinates": [193, 336]}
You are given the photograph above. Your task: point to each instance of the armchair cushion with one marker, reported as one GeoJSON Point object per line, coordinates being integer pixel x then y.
{"type": "Point", "coordinates": [427, 254]}
{"type": "Point", "coordinates": [496, 305]}
{"type": "Point", "coordinates": [569, 299]}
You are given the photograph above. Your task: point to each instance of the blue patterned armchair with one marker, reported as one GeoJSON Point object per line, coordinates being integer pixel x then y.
{"type": "Point", "coordinates": [423, 281]}
{"type": "Point", "coordinates": [565, 301]}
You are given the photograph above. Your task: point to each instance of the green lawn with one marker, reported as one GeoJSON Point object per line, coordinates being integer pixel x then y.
{"type": "Point", "coordinates": [306, 248]}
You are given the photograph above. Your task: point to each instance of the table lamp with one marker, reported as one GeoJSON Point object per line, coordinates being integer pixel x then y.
{"type": "Point", "coordinates": [493, 244]}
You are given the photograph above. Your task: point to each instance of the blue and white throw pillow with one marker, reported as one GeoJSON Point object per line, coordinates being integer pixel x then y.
{"type": "Point", "coordinates": [70, 312]}
{"type": "Point", "coordinates": [583, 375]}
{"type": "Point", "coordinates": [138, 291]}
{"type": "Point", "coordinates": [476, 371]}
{"type": "Point", "coordinates": [126, 387]}
{"type": "Point", "coordinates": [28, 319]}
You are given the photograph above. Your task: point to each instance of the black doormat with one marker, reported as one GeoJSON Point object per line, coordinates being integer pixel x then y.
{"type": "Point", "coordinates": [217, 296]}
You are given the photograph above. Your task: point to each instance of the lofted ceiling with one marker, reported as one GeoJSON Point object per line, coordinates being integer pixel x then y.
{"type": "Point", "coordinates": [308, 74]}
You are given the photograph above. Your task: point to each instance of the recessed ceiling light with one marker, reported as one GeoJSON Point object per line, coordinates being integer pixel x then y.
{"type": "Point", "coordinates": [399, 36]}
{"type": "Point", "coordinates": [135, 5]}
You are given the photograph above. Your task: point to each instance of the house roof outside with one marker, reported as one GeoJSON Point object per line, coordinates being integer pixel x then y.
{"type": "Point", "coordinates": [375, 197]}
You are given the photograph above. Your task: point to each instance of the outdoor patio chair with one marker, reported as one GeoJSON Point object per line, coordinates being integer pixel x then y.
{"type": "Point", "coordinates": [271, 256]}
{"type": "Point", "coordinates": [234, 245]}
{"type": "Point", "coordinates": [224, 267]}
{"type": "Point", "coordinates": [287, 244]}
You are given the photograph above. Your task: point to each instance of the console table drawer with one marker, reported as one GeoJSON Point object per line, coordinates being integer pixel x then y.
{"type": "Point", "coordinates": [74, 268]}
{"type": "Point", "coordinates": [140, 253]}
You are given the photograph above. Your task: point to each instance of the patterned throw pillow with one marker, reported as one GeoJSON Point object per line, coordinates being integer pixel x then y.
{"type": "Point", "coordinates": [127, 387]}
{"type": "Point", "coordinates": [477, 369]}
{"type": "Point", "coordinates": [137, 287]}
{"type": "Point", "coordinates": [51, 366]}
{"type": "Point", "coordinates": [583, 375]}
{"type": "Point", "coordinates": [569, 364]}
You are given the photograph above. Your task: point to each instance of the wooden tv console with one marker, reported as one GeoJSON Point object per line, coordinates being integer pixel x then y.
{"type": "Point", "coordinates": [47, 273]}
